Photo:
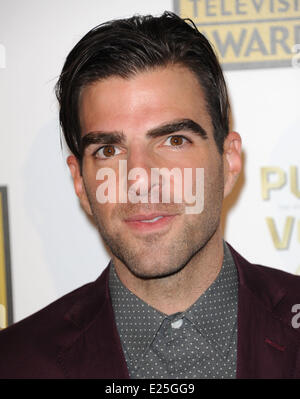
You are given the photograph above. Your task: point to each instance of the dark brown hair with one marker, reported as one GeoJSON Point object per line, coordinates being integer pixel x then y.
{"type": "Point", "coordinates": [125, 47]}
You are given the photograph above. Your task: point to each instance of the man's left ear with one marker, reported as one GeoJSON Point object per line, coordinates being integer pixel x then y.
{"type": "Point", "coordinates": [232, 161]}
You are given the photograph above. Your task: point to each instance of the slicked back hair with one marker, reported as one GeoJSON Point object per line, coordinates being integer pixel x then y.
{"type": "Point", "coordinates": [125, 47]}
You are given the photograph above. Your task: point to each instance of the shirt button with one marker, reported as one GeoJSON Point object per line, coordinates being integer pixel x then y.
{"type": "Point", "coordinates": [177, 323]}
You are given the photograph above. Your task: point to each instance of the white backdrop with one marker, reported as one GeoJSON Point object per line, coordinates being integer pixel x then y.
{"type": "Point", "coordinates": [54, 248]}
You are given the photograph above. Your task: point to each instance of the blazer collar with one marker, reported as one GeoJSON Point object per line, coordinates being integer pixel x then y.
{"type": "Point", "coordinates": [259, 281]}
{"type": "Point", "coordinates": [268, 345]}
{"type": "Point", "coordinates": [93, 349]}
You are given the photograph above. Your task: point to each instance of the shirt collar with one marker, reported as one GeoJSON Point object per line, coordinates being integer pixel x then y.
{"type": "Point", "coordinates": [138, 322]}
{"type": "Point", "coordinates": [214, 314]}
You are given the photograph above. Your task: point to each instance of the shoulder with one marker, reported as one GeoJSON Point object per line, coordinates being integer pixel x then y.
{"type": "Point", "coordinates": [254, 274]}
{"type": "Point", "coordinates": [277, 290]}
{"type": "Point", "coordinates": [33, 344]}
{"type": "Point", "coordinates": [51, 314]}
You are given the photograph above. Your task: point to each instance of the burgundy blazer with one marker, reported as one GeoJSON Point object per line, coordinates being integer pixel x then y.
{"type": "Point", "coordinates": [76, 336]}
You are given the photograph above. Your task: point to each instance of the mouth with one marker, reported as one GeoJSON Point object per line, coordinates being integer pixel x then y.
{"type": "Point", "coordinates": [147, 223]}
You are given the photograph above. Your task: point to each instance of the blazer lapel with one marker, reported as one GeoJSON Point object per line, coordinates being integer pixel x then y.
{"type": "Point", "coordinates": [94, 349]}
{"type": "Point", "coordinates": [268, 345]}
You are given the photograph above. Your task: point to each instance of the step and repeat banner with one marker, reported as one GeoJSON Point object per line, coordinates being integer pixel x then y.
{"type": "Point", "coordinates": [248, 33]}
{"type": "Point", "coordinates": [6, 310]}
{"type": "Point", "coordinates": [48, 246]}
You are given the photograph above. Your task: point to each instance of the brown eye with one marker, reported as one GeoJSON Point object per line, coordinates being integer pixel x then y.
{"type": "Point", "coordinates": [109, 151]}
{"type": "Point", "coordinates": [176, 140]}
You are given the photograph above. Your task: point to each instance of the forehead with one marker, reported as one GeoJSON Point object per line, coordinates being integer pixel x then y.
{"type": "Point", "coordinates": [143, 101]}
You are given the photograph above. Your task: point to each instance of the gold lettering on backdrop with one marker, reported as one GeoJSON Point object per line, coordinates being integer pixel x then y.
{"type": "Point", "coordinates": [266, 184]}
{"type": "Point", "coordinates": [247, 33]}
{"type": "Point", "coordinates": [3, 294]}
{"type": "Point", "coordinates": [294, 181]}
{"type": "Point", "coordinates": [288, 227]}
{"type": "Point", "coordinates": [2, 316]}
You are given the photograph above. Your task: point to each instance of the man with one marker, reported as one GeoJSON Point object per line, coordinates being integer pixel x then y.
{"type": "Point", "coordinates": [176, 301]}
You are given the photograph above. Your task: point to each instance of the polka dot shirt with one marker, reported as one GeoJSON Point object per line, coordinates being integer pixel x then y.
{"type": "Point", "coordinates": [200, 342]}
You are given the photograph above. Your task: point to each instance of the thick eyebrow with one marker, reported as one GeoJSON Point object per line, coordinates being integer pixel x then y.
{"type": "Point", "coordinates": [102, 138]}
{"type": "Point", "coordinates": [177, 126]}
{"type": "Point", "coordinates": [106, 138]}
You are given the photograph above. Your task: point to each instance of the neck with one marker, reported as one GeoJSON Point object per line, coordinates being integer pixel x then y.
{"type": "Point", "coordinates": [178, 292]}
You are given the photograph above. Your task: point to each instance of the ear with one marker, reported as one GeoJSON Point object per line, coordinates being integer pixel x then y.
{"type": "Point", "coordinates": [79, 187]}
{"type": "Point", "coordinates": [232, 161]}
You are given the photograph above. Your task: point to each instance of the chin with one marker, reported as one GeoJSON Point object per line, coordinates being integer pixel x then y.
{"type": "Point", "coordinates": [153, 270]}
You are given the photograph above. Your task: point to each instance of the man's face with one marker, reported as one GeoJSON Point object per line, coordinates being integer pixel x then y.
{"type": "Point", "coordinates": [150, 239]}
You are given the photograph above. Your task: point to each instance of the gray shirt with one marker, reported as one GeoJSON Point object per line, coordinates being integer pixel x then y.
{"type": "Point", "coordinates": [200, 342]}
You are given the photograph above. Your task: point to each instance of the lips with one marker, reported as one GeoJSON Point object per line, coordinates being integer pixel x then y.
{"type": "Point", "coordinates": [149, 222]}
{"type": "Point", "coordinates": [146, 218]}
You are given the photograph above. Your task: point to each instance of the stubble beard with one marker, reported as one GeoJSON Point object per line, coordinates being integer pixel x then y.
{"type": "Point", "coordinates": [159, 255]}
{"type": "Point", "coordinates": [155, 259]}
{"type": "Point", "coordinates": [156, 255]}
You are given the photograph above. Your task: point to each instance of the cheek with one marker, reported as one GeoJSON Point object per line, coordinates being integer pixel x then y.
{"type": "Point", "coordinates": [214, 186]}
{"type": "Point", "coordinates": [90, 184]}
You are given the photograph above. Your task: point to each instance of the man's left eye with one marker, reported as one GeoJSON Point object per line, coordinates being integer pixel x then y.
{"type": "Point", "coordinates": [176, 141]}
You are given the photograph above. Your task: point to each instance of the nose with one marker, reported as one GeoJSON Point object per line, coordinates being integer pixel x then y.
{"type": "Point", "coordinates": [140, 163]}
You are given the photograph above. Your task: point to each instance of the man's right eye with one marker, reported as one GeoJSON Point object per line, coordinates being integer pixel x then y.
{"type": "Point", "coordinates": [107, 151]}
